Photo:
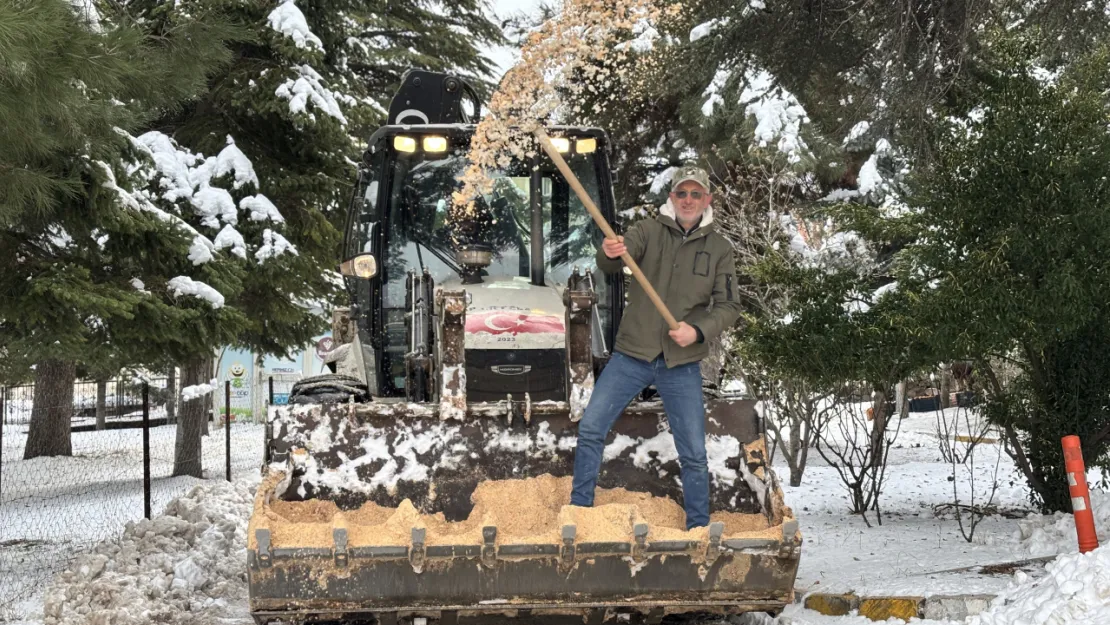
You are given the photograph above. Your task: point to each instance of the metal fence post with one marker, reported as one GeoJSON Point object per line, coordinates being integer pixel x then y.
{"type": "Point", "coordinates": [227, 426]}
{"type": "Point", "coordinates": [266, 427]}
{"type": "Point", "coordinates": [146, 449]}
{"type": "Point", "coordinates": [3, 419]}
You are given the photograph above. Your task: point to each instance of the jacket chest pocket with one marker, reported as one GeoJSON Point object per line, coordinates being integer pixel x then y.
{"type": "Point", "coordinates": [701, 264]}
{"type": "Point", "coordinates": [700, 280]}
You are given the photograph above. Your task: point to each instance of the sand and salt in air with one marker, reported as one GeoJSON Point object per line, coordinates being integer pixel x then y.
{"type": "Point", "coordinates": [566, 61]}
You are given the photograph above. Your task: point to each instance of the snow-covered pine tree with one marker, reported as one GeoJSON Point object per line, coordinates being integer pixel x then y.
{"type": "Point", "coordinates": [77, 76]}
{"type": "Point", "coordinates": [310, 81]}
{"type": "Point", "coordinates": [218, 236]}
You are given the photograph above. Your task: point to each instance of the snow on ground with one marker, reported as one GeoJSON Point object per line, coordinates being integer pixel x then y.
{"type": "Point", "coordinates": [54, 508]}
{"type": "Point", "coordinates": [187, 566]}
{"type": "Point", "coordinates": [914, 551]}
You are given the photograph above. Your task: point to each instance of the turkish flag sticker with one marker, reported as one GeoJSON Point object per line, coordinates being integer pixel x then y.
{"type": "Point", "coordinates": [512, 322]}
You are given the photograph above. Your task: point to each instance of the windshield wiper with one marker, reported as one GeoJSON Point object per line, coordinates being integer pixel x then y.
{"type": "Point", "coordinates": [446, 259]}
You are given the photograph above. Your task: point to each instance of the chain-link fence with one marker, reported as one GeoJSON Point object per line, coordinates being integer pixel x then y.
{"type": "Point", "coordinates": [123, 463]}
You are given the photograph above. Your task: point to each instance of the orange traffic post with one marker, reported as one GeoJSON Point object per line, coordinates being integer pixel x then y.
{"type": "Point", "coordinates": [1080, 495]}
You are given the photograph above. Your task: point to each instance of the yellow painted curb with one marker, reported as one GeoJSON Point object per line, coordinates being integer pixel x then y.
{"type": "Point", "coordinates": [964, 438]}
{"type": "Point", "coordinates": [882, 608]}
{"type": "Point", "coordinates": [831, 605]}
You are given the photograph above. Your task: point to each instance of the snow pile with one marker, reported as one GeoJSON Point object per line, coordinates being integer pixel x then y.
{"type": "Point", "coordinates": [778, 115]}
{"type": "Point", "coordinates": [87, 11]}
{"type": "Point", "coordinates": [856, 132]}
{"type": "Point", "coordinates": [273, 244]}
{"type": "Point", "coordinates": [261, 208]}
{"type": "Point", "coordinates": [58, 237]}
{"type": "Point", "coordinates": [288, 20]}
{"type": "Point", "coordinates": [186, 566]}
{"type": "Point", "coordinates": [870, 180]}
{"type": "Point", "coordinates": [646, 36]}
{"type": "Point", "coordinates": [190, 393]}
{"type": "Point", "coordinates": [663, 180]}
{"type": "Point", "coordinates": [308, 87]}
{"type": "Point", "coordinates": [712, 93]}
{"type": "Point", "coordinates": [179, 175]}
{"type": "Point", "coordinates": [230, 237]}
{"type": "Point", "coordinates": [821, 245]}
{"type": "Point", "coordinates": [1051, 534]}
{"type": "Point", "coordinates": [581, 51]}
{"type": "Point", "coordinates": [184, 285]}
{"type": "Point", "coordinates": [1075, 591]}
{"type": "Point", "coordinates": [704, 30]}
{"type": "Point", "coordinates": [231, 160]}
{"type": "Point", "coordinates": [213, 202]}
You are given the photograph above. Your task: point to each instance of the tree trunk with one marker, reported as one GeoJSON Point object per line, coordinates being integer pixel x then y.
{"type": "Point", "coordinates": [51, 410]}
{"type": "Point", "coordinates": [945, 387]}
{"type": "Point", "coordinates": [171, 394]}
{"type": "Point", "coordinates": [901, 402]}
{"type": "Point", "coordinates": [796, 463]}
{"type": "Point", "coordinates": [187, 447]}
{"type": "Point", "coordinates": [101, 411]}
{"type": "Point", "coordinates": [878, 428]}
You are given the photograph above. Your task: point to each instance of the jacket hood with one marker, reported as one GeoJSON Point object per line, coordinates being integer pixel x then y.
{"type": "Point", "coordinates": [667, 210]}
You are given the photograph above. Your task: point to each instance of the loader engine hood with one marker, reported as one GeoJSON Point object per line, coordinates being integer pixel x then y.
{"type": "Point", "coordinates": [515, 341]}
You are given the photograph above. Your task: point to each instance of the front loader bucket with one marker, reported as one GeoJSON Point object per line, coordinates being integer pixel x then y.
{"type": "Point", "coordinates": [381, 510]}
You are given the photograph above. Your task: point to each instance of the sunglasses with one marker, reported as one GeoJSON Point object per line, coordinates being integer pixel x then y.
{"type": "Point", "coordinates": [697, 195]}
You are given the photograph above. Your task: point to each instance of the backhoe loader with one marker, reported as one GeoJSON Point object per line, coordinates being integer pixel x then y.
{"type": "Point", "coordinates": [428, 479]}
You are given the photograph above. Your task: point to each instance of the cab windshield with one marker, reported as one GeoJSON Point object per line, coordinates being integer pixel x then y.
{"type": "Point", "coordinates": [425, 230]}
{"type": "Point", "coordinates": [413, 221]}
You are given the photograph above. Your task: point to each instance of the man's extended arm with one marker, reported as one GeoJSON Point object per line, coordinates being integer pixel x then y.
{"type": "Point", "coordinates": [633, 241]}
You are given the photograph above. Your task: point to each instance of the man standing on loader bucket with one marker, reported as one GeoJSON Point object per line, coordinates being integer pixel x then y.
{"type": "Point", "coordinates": [691, 267]}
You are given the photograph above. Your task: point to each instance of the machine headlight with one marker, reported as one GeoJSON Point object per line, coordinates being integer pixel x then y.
{"type": "Point", "coordinates": [562, 144]}
{"type": "Point", "coordinates": [361, 266]}
{"type": "Point", "coordinates": [404, 144]}
{"type": "Point", "coordinates": [435, 144]}
{"type": "Point", "coordinates": [585, 146]}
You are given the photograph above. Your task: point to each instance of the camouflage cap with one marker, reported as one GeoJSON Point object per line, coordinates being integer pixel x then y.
{"type": "Point", "coordinates": [690, 172]}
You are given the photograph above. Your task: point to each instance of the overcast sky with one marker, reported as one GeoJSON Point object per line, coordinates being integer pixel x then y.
{"type": "Point", "coordinates": [504, 56]}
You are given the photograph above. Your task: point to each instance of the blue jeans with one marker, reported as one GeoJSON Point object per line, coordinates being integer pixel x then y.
{"type": "Point", "coordinates": [621, 380]}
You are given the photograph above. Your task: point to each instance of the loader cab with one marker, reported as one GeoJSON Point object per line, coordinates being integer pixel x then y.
{"type": "Point", "coordinates": [532, 225]}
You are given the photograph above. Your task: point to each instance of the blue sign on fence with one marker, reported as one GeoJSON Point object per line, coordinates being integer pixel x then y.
{"type": "Point", "coordinates": [280, 399]}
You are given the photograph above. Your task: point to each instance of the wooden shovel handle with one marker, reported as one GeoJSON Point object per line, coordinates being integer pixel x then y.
{"type": "Point", "coordinates": [545, 143]}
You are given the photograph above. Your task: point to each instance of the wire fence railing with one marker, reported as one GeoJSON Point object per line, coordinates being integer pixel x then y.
{"type": "Point", "coordinates": [54, 506]}
{"type": "Point", "coordinates": [120, 398]}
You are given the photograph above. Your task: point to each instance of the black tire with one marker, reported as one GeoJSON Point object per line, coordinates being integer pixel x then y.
{"type": "Point", "coordinates": [330, 388]}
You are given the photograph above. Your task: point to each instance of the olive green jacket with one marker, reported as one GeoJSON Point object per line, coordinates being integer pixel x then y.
{"type": "Point", "coordinates": [694, 274]}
